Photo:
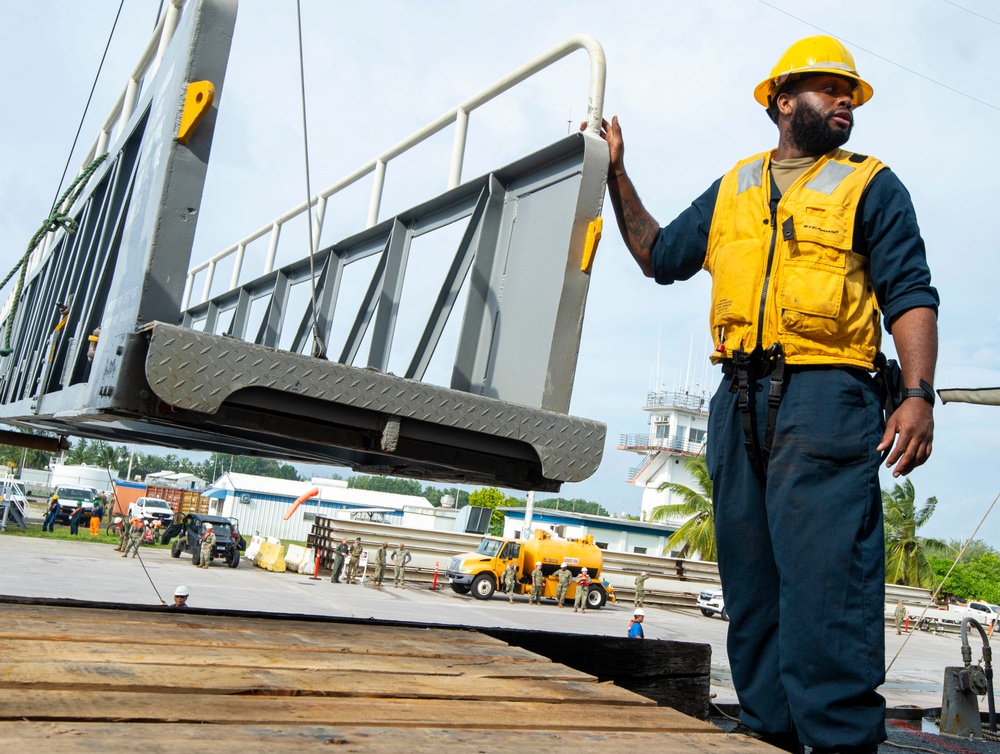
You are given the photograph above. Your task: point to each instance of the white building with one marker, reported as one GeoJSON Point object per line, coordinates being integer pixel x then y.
{"type": "Point", "coordinates": [260, 504]}
{"type": "Point", "coordinates": [678, 425]}
{"type": "Point", "coordinates": [612, 534]}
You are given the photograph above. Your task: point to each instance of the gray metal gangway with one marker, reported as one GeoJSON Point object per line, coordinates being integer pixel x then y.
{"type": "Point", "coordinates": [110, 341]}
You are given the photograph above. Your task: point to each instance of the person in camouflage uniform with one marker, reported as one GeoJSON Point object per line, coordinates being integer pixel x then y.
{"type": "Point", "coordinates": [207, 545]}
{"type": "Point", "coordinates": [124, 526]}
{"type": "Point", "coordinates": [582, 590]}
{"type": "Point", "coordinates": [400, 558]}
{"type": "Point", "coordinates": [640, 588]}
{"type": "Point", "coordinates": [339, 552]}
{"type": "Point", "coordinates": [353, 560]}
{"type": "Point", "coordinates": [134, 537]}
{"type": "Point", "coordinates": [381, 556]}
{"type": "Point", "coordinates": [565, 577]}
{"type": "Point", "coordinates": [537, 585]}
{"type": "Point", "coordinates": [510, 581]}
{"type": "Point", "coordinates": [900, 617]}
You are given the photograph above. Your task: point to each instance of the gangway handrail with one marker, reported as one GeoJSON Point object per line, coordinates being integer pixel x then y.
{"type": "Point", "coordinates": [123, 108]}
{"type": "Point", "coordinates": [458, 115]}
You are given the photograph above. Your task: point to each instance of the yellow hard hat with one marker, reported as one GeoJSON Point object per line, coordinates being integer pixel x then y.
{"type": "Point", "coordinates": [812, 55]}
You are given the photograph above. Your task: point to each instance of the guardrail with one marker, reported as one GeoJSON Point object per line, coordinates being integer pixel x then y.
{"type": "Point", "coordinates": [673, 582]}
{"type": "Point", "coordinates": [636, 441]}
{"type": "Point", "coordinates": [459, 115]}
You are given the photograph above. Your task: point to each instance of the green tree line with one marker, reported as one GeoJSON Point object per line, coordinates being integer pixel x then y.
{"type": "Point", "coordinates": [910, 559]}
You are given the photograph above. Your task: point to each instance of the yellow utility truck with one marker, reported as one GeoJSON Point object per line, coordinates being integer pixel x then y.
{"type": "Point", "coordinates": [479, 572]}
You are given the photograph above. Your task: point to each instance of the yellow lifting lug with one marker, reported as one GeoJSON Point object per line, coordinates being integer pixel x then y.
{"type": "Point", "coordinates": [196, 103]}
{"type": "Point", "coordinates": [590, 245]}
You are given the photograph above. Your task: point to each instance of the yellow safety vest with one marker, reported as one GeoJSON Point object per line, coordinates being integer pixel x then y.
{"type": "Point", "coordinates": [793, 278]}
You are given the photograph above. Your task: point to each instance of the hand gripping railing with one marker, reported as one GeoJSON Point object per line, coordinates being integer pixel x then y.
{"type": "Point", "coordinates": [458, 115]}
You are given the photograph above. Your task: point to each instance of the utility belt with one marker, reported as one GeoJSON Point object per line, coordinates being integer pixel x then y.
{"type": "Point", "coordinates": [746, 369]}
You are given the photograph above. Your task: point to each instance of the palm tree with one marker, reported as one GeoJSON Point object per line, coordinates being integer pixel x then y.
{"type": "Point", "coordinates": [905, 561]}
{"type": "Point", "coordinates": [697, 534]}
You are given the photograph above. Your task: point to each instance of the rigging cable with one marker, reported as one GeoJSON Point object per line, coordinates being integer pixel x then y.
{"type": "Point", "coordinates": [59, 216]}
{"type": "Point", "coordinates": [86, 107]}
{"type": "Point", "coordinates": [114, 495]}
{"type": "Point", "coordinates": [882, 57]}
{"type": "Point", "coordinates": [319, 347]}
{"type": "Point", "coordinates": [943, 580]}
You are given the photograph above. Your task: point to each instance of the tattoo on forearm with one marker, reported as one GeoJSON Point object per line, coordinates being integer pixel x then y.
{"type": "Point", "coordinates": [641, 227]}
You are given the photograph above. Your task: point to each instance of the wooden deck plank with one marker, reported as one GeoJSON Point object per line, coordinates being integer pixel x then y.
{"type": "Point", "coordinates": [325, 626]}
{"type": "Point", "coordinates": [234, 711]}
{"type": "Point", "coordinates": [88, 677]}
{"type": "Point", "coordinates": [139, 653]}
{"type": "Point", "coordinates": [100, 738]}
{"type": "Point", "coordinates": [182, 635]}
{"type": "Point", "coordinates": [75, 679]}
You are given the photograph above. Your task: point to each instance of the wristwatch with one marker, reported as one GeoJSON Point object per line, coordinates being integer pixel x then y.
{"type": "Point", "coordinates": [925, 391]}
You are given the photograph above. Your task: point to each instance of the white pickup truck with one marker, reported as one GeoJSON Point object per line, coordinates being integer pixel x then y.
{"type": "Point", "coordinates": [983, 612]}
{"type": "Point", "coordinates": [152, 509]}
{"type": "Point", "coordinates": [952, 615]}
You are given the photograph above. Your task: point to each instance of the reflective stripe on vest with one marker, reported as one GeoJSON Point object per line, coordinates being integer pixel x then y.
{"type": "Point", "coordinates": [750, 176]}
{"type": "Point", "coordinates": [816, 296]}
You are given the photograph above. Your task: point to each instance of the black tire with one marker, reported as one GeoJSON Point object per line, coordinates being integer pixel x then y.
{"type": "Point", "coordinates": [460, 588]}
{"type": "Point", "coordinates": [724, 615]}
{"type": "Point", "coordinates": [233, 558]}
{"type": "Point", "coordinates": [706, 612]}
{"type": "Point", "coordinates": [196, 557]}
{"type": "Point", "coordinates": [483, 586]}
{"type": "Point", "coordinates": [175, 549]}
{"type": "Point", "coordinates": [596, 597]}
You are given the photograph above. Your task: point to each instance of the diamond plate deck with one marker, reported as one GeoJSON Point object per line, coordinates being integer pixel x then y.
{"type": "Point", "coordinates": [518, 446]}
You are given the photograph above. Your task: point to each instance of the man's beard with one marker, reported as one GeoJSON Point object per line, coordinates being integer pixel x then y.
{"type": "Point", "coordinates": [811, 132]}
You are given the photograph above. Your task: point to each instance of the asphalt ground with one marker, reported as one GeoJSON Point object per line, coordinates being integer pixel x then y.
{"type": "Point", "coordinates": [43, 568]}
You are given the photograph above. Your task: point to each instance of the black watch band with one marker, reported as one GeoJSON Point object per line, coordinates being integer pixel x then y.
{"type": "Point", "coordinates": [925, 391]}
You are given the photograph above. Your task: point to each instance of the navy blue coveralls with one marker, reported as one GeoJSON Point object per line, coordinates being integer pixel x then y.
{"type": "Point", "coordinates": [802, 556]}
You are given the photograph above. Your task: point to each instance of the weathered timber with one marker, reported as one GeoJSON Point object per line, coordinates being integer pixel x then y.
{"type": "Point", "coordinates": [288, 709]}
{"type": "Point", "coordinates": [91, 679]}
{"type": "Point", "coordinates": [80, 738]}
{"type": "Point", "coordinates": [139, 653]}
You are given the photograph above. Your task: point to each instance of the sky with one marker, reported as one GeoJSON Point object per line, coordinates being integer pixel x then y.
{"type": "Point", "coordinates": [680, 78]}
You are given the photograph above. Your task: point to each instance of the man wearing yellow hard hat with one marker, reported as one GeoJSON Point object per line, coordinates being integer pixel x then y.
{"type": "Point", "coordinates": [811, 249]}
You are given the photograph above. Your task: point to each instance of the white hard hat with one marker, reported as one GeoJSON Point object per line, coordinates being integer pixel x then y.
{"type": "Point", "coordinates": [562, 565]}
{"type": "Point", "coordinates": [538, 564]}
{"type": "Point", "coordinates": [181, 591]}
{"type": "Point", "coordinates": [208, 525]}
{"type": "Point", "coordinates": [642, 573]}
{"type": "Point", "coordinates": [639, 613]}
{"type": "Point", "coordinates": [584, 569]}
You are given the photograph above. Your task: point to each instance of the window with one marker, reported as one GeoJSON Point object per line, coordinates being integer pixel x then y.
{"type": "Point", "coordinates": [639, 550]}
{"type": "Point", "coordinates": [308, 516]}
{"type": "Point", "coordinates": [696, 435]}
{"type": "Point", "coordinates": [662, 430]}
{"type": "Point", "coordinates": [602, 545]}
{"type": "Point", "coordinates": [489, 547]}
